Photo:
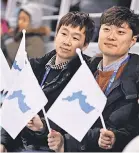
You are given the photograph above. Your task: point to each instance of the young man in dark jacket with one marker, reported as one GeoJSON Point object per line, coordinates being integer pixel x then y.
{"type": "Point", "coordinates": [117, 73]}
{"type": "Point", "coordinates": [75, 30]}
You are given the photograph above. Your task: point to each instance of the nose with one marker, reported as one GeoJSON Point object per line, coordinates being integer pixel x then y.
{"type": "Point", "coordinates": [111, 35]}
{"type": "Point", "coordinates": [67, 41]}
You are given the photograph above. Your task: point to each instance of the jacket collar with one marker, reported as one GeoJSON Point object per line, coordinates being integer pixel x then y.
{"type": "Point", "coordinates": [73, 64]}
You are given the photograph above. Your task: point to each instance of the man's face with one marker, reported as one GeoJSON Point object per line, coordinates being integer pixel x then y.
{"type": "Point", "coordinates": [67, 40]}
{"type": "Point", "coordinates": [115, 41]}
{"type": "Point", "coordinates": [23, 21]}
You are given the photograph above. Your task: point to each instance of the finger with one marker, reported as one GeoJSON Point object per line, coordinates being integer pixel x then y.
{"type": "Point", "coordinates": [105, 138]}
{"type": "Point", "coordinates": [36, 117]}
{"type": "Point", "coordinates": [29, 125]}
{"type": "Point", "coordinates": [30, 122]}
{"type": "Point", "coordinates": [107, 133]}
{"type": "Point", "coordinates": [106, 147]}
{"type": "Point", "coordinates": [50, 140]}
{"type": "Point", "coordinates": [52, 144]}
{"type": "Point", "coordinates": [52, 134]}
{"type": "Point", "coordinates": [55, 148]}
{"type": "Point", "coordinates": [105, 142]}
{"type": "Point", "coordinates": [103, 145]}
{"type": "Point", "coordinates": [102, 130]}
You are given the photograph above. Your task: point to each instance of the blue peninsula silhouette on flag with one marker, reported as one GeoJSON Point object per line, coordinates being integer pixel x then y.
{"type": "Point", "coordinates": [21, 103]}
{"type": "Point", "coordinates": [16, 66]}
{"type": "Point", "coordinates": [86, 107]}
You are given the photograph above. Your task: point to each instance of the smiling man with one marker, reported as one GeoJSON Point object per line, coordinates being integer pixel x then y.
{"type": "Point", "coordinates": [117, 73]}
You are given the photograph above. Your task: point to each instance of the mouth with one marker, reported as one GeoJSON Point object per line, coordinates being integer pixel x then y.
{"type": "Point", "coordinates": [65, 49]}
{"type": "Point", "coordinates": [110, 45]}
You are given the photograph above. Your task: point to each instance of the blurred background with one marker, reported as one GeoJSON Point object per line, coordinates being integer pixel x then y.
{"type": "Point", "coordinates": [54, 9]}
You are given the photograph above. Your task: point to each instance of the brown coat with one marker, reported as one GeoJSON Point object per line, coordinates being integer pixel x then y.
{"type": "Point", "coordinates": [35, 46]}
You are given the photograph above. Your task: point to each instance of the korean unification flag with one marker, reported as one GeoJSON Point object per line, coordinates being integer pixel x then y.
{"type": "Point", "coordinates": [19, 61]}
{"type": "Point", "coordinates": [79, 105]}
{"type": "Point", "coordinates": [23, 101]}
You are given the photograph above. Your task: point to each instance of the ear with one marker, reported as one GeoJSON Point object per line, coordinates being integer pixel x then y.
{"type": "Point", "coordinates": [133, 41]}
{"type": "Point", "coordinates": [55, 37]}
{"type": "Point", "coordinates": [84, 47]}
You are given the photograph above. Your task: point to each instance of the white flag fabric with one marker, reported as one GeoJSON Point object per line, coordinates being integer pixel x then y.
{"type": "Point", "coordinates": [5, 77]}
{"type": "Point", "coordinates": [79, 105]}
{"type": "Point", "coordinates": [19, 61]}
{"type": "Point", "coordinates": [24, 100]}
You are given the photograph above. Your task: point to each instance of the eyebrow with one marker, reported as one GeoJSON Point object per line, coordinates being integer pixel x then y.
{"type": "Point", "coordinates": [64, 29]}
{"type": "Point", "coordinates": [75, 33]}
{"type": "Point", "coordinates": [117, 26]}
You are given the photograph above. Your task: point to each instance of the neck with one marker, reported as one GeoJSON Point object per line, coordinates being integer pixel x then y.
{"type": "Point", "coordinates": [110, 60]}
{"type": "Point", "coordinates": [60, 60]}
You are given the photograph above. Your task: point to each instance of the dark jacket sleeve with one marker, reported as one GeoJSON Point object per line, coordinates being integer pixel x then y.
{"type": "Point", "coordinates": [125, 135]}
{"type": "Point", "coordinates": [5, 138]}
{"type": "Point", "coordinates": [10, 143]}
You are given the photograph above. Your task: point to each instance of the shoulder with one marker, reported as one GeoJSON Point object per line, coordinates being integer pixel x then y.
{"type": "Point", "coordinates": [94, 61]}
{"type": "Point", "coordinates": [133, 65]}
{"type": "Point", "coordinates": [42, 61]}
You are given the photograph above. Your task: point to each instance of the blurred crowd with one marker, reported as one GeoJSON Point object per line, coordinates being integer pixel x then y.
{"type": "Point", "coordinates": [29, 18]}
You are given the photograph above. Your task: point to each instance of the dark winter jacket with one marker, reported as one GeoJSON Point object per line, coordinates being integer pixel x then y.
{"type": "Point", "coordinates": [38, 140]}
{"type": "Point", "coordinates": [120, 113]}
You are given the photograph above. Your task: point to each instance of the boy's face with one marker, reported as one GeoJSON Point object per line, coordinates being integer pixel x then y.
{"type": "Point", "coordinates": [115, 41]}
{"type": "Point", "coordinates": [23, 21]}
{"type": "Point", "coordinates": [67, 40]}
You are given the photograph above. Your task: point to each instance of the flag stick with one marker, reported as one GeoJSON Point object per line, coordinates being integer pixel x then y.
{"type": "Point", "coordinates": [46, 119]}
{"type": "Point", "coordinates": [24, 32]}
{"type": "Point", "coordinates": [102, 121]}
{"type": "Point", "coordinates": [78, 51]}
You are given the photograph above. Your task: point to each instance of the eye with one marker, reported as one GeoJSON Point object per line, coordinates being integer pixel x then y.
{"type": "Point", "coordinates": [63, 33]}
{"type": "Point", "coordinates": [121, 32]}
{"type": "Point", "coordinates": [75, 38]}
{"type": "Point", "coordinates": [106, 29]}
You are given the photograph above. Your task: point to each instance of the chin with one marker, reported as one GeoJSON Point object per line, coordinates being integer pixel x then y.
{"type": "Point", "coordinates": [110, 54]}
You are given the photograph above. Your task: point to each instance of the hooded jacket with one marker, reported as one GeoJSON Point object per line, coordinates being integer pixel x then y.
{"type": "Point", "coordinates": [35, 46]}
